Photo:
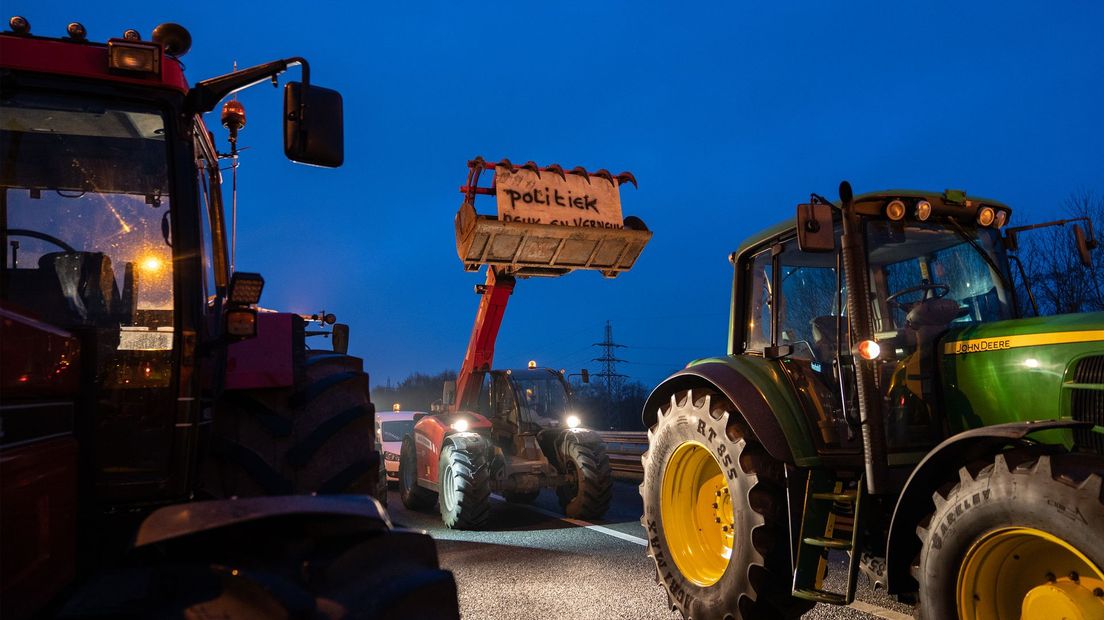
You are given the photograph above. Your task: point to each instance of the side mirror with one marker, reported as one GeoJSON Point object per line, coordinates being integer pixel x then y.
{"type": "Point", "coordinates": [448, 394]}
{"type": "Point", "coordinates": [1084, 246]}
{"type": "Point", "coordinates": [340, 337]}
{"type": "Point", "coordinates": [815, 232]}
{"type": "Point", "coordinates": [314, 130]}
{"type": "Point", "coordinates": [586, 375]}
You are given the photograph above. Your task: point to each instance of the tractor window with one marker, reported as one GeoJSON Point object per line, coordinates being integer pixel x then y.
{"type": "Point", "coordinates": [395, 430]}
{"type": "Point", "coordinates": [809, 303]}
{"type": "Point", "coordinates": [543, 399]}
{"type": "Point", "coordinates": [913, 266]}
{"type": "Point", "coordinates": [87, 229]}
{"type": "Point", "coordinates": [758, 302]}
{"type": "Point", "coordinates": [207, 184]}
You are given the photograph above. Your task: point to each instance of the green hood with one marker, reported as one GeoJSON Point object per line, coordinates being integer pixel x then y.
{"type": "Point", "coordinates": [1016, 370]}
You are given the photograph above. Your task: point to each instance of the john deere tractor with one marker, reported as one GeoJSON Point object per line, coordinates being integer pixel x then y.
{"type": "Point", "coordinates": [884, 407]}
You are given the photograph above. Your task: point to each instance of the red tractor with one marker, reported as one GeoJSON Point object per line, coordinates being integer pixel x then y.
{"type": "Point", "coordinates": [159, 434]}
{"type": "Point", "coordinates": [515, 431]}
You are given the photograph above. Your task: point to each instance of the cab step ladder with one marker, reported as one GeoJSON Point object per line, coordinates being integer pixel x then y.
{"type": "Point", "coordinates": [830, 522]}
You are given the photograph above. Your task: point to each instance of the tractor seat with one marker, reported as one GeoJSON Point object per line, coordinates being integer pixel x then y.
{"type": "Point", "coordinates": [89, 293]}
{"type": "Point", "coordinates": [824, 337]}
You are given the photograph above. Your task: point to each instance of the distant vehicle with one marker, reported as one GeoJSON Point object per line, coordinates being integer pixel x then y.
{"type": "Point", "coordinates": [391, 426]}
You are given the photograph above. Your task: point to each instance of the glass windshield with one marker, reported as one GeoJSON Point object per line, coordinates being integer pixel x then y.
{"type": "Point", "coordinates": [396, 430]}
{"type": "Point", "coordinates": [914, 265]}
{"type": "Point", "coordinates": [543, 399]}
{"type": "Point", "coordinates": [86, 231]}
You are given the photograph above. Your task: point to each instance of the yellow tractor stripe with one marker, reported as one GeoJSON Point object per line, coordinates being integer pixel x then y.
{"type": "Point", "coordinates": [980, 345]}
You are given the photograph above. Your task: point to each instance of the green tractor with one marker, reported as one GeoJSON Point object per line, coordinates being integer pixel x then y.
{"type": "Point", "coordinates": [883, 407]}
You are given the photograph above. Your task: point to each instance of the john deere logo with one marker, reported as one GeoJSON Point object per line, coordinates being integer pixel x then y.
{"type": "Point", "coordinates": [981, 345]}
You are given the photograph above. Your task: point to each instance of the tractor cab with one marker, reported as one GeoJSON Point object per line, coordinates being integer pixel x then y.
{"type": "Point", "coordinates": [924, 277]}
{"type": "Point", "coordinates": [522, 403]}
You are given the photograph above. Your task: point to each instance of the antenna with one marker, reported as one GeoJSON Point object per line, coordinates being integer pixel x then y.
{"type": "Point", "coordinates": [233, 119]}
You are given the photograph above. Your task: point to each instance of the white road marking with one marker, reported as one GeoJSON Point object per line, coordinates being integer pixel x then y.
{"type": "Point", "coordinates": [579, 523]}
{"type": "Point", "coordinates": [874, 610]}
{"type": "Point", "coordinates": [880, 612]}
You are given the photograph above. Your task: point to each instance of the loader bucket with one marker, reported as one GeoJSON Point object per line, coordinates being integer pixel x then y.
{"type": "Point", "coordinates": [528, 250]}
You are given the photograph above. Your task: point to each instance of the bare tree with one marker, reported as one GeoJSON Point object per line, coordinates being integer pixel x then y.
{"type": "Point", "coordinates": [1059, 281]}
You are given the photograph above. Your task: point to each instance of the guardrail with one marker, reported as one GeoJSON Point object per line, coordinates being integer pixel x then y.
{"type": "Point", "coordinates": [624, 449]}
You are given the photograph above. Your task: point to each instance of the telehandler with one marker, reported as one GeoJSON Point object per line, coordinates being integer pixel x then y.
{"type": "Point", "coordinates": [515, 431]}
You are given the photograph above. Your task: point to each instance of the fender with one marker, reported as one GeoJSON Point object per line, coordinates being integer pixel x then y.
{"type": "Point", "coordinates": [430, 434]}
{"type": "Point", "coordinates": [182, 520]}
{"type": "Point", "coordinates": [773, 416]}
{"type": "Point", "coordinates": [939, 466]}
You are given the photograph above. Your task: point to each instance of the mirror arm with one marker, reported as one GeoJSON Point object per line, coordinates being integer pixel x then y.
{"type": "Point", "coordinates": [205, 95]}
{"type": "Point", "coordinates": [1019, 229]}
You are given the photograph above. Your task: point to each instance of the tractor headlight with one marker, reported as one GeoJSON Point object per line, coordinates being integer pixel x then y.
{"type": "Point", "coordinates": [869, 350]}
{"type": "Point", "coordinates": [573, 421]}
{"type": "Point", "coordinates": [460, 426]}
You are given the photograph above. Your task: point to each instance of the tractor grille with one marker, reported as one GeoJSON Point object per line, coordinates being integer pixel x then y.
{"type": "Point", "coordinates": [1088, 405]}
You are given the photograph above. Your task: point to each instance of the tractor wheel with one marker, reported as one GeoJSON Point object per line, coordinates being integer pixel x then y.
{"type": "Point", "coordinates": [588, 497]}
{"type": "Point", "coordinates": [293, 567]}
{"type": "Point", "coordinates": [465, 496]}
{"type": "Point", "coordinates": [381, 480]}
{"type": "Point", "coordinates": [1016, 540]}
{"type": "Point", "coordinates": [317, 437]}
{"type": "Point", "coordinates": [515, 497]}
{"type": "Point", "coordinates": [413, 496]}
{"type": "Point", "coordinates": [715, 513]}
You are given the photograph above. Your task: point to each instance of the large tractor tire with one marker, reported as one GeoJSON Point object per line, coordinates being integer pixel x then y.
{"type": "Point", "coordinates": [588, 497]}
{"type": "Point", "coordinates": [1016, 538]}
{"type": "Point", "coordinates": [715, 514]}
{"type": "Point", "coordinates": [465, 495]}
{"type": "Point", "coordinates": [316, 437]}
{"type": "Point", "coordinates": [413, 496]}
{"type": "Point", "coordinates": [290, 567]}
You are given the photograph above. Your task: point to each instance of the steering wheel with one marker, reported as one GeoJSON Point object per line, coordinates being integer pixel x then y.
{"type": "Point", "coordinates": [938, 291]}
{"type": "Point", "coordinates": [34, 234]}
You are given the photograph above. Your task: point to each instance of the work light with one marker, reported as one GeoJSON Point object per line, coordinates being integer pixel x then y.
{"type": "Point", "coordinates": [985, 216]}
{"type": "Point", "coordinates": [923, 210]}
{"type": "Point", "coordinates": [460, 426]}
{"type": "Point", "coordinates": [1001, 219]}
{"type": "Point", "coordinates": [133, 57]}
{"type": "Point", "coordinates": [895, 210]}
{"type": "Point", "coordinates": [245, 288]}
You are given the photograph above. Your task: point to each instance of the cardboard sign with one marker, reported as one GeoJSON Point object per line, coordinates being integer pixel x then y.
{"type": "Point", "coordinates": [523, 196]}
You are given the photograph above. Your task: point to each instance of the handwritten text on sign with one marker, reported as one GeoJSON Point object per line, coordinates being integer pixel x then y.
{"type": "Point", "coordinates": [549, 199]}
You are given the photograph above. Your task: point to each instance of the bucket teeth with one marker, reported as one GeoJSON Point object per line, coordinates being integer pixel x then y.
{"type": "Point", "coordinates": [605, 174]}
{"type": "Point", "coordinates": [558, 169]}
{"type": "Point", "coordinates": [532, 166]}
{"type": "Point", "coordinates": [506, 163]}
{"type": "Point", "coordinates": [627, 177]}
{"type": "Point", "coordinates": [581, 171]}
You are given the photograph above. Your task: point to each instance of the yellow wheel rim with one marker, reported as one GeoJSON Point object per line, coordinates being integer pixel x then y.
{"type": "Point", "coordinates": [1025, 573]}
{"type": "Point", "coordinates": [697, 514]}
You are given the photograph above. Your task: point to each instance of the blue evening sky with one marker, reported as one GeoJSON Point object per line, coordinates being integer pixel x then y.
{"type": "Point", "coordinates": [728, 113]}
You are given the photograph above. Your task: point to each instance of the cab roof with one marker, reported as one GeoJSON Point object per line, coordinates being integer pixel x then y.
{"type": "Point", "coordinates": [879, 197]}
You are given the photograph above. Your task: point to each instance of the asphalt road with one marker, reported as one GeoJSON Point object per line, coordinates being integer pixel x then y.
{"type": "Point", "coordinates": [530, 562]}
